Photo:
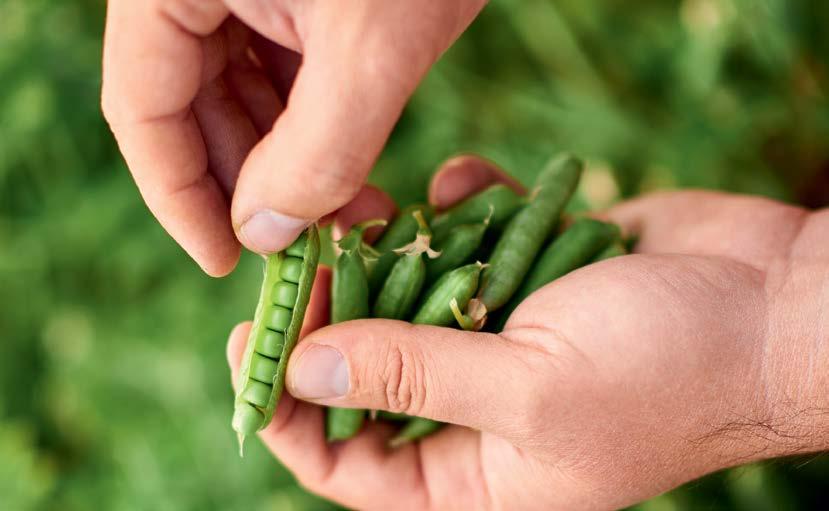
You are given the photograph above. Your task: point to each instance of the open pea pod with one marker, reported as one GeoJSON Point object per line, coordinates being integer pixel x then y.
{"type": "Point", "coordinates": [286, 290]}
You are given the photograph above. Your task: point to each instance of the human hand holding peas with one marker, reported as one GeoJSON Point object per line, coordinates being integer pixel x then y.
{"type": "Point", "coordinates": [282, 106]}
{"type": "Point", "coordinates": [611, 385]}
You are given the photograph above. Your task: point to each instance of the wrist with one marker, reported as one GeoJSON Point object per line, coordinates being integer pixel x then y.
{"type": "Point", "coordinates": [796, 351]}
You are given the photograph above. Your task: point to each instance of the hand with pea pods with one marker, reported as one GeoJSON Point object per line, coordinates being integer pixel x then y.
{"type": "Point", "coordinates": [249, 121]}
{"type": "Point", "coordinates": [619, 381]}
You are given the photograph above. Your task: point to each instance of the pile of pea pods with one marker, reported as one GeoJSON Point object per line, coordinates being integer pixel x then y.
{"type": "Point", "coordinates": [467, 267]}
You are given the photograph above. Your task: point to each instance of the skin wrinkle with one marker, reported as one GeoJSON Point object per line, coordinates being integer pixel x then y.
{"type": "Point", "coordinates": [421, 472]}
{"type": "Point", "coordinates": [482, 472]}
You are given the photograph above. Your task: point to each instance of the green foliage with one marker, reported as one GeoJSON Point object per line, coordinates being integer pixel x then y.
{"type": "Point", "coordinates": [103, 314]}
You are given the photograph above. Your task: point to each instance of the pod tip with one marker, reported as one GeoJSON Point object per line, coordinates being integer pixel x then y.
{"type": "Point", "coordinates": [241, 438]}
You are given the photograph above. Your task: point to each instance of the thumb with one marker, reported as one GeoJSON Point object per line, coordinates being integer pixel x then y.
{"type": "Point", "coordinates": [465, 378]}
{"type": "Point", "coordinates": [316, 158]}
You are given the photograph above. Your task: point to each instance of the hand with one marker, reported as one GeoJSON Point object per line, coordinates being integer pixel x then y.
{"type": "Point", "coordinates": [195, 99]}
{"type": "Point", "coordinates": [620, 381]}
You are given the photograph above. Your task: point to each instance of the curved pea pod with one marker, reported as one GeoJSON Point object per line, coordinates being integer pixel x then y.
{"type": "Point", "coordinates": [349, 283]}
{"type": "Point", "coordinates": [401, 231]}
{"type": "Point", "coordinates": [415, 429]}
{"type": "Point", "coordinates": [575, 247]}
{"type": "Point", "coordinates": [458, 286]}
{"type": "Point", "coordinates": [403, 285]}
{"type": "Point", "coordinates": [456, 249]}
{"type": "Point", "coordinates": [526, 232]}
{"type": "Point", "coordinates": [349, 301]}
{"type": "Point", "coordinates": [614, 250]}
{"type": "Point", "coordinates": [497, 202]}
{"type": "Point", "coordinates": [286, 290]}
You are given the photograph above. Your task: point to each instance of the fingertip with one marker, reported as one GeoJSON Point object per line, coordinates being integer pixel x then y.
{"type": "Point", "coordinates": [221, 265]}
{"type": "Point", "coordinates": [465, 175]}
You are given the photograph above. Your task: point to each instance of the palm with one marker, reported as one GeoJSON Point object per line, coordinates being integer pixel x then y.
{"type": "Point", "coordinates": [631, 335]}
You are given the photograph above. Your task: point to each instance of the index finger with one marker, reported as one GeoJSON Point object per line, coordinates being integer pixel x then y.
{"type": "Point", "coordinates": [154, 66]}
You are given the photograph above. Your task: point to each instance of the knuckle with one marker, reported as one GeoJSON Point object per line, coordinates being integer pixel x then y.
{"type": "Point", "coordinates": [404, 381]}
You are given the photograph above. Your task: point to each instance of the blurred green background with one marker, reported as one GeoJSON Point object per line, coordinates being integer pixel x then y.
{"type": "Point", "coordinates": [114, 393]}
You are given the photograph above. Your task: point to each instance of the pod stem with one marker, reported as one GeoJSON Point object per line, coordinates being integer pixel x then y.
{"type": "Point", "coordinates": [422, 242]}
{"type": "Point", "coordinates": [463, 320]}
{"type": "Point", "coordinates": [476, 313]}
{"type": "Point", "coordinates": [353, 240]}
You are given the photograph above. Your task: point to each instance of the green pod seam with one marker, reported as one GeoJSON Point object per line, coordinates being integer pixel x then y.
{"type": "Point", "coordinates": [401, 231]}
{"type": "Point", "coordinates": [349, 301]}
{"type": "Point", "coordinates": [574, 248]}
{"type": "Point", "coordinates": [415, 429]}
{"type": "Point", "coordinates": [403, 285]}
{"type": "Point", "coordinates": [526, 232]}
{"type": "Point", "coordinates": [459, 285]}
{"type": "Point", "coordinates": [456, 249]}
{"type": "Point", "coordinates": [296, 265]}
{"type": "Point", "coordinates": [499, 200]}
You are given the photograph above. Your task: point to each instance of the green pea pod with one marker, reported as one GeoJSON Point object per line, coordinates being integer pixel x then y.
{"type": "Point", "coordinates": [574, 248]}
{"type": "Point", "coordinates": [349, 301]}
{"type": "Point", "coordinates": [343, 423]}
{"type": "Point", "coordinates": [457, 286]}
{"type": "Point", "coordinates": [403, 285]}
{"type": "Point", "coordinates": [286, 290]}
{"type": "Point", "coordinates": [456, 249]}
{"type": "Point", "coordinates": [614, 250]}
{"type": "Point", "coordinates": [497, 201]}
{"type": "Point", "coordinates": [415, 429]}
{"type": "Point", "coordinates": [392, 416]}
{"type": "Point", "coordinates": [401, 231]}
{"type": "Point", "coordinates": [526, 232]}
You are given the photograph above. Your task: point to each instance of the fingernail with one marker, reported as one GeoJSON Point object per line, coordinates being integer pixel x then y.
{"type": "Point", "coordinates": [268, 231]}
{"type": "Point", "coordinates": [321, 372]}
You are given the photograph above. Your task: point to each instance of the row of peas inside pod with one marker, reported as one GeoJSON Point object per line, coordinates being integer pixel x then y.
{"type": "Point", "coordinates": [467, 267]}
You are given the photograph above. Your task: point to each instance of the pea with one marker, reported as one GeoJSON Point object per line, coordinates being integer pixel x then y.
{"type": "Point", "coordinates": [284, 294]}
{"type": "Point", "coordinates": [275, 330]}
{"type": "Point", "coordinates": [401, 231]}
{"type": "Point", "coordinates": [574, 248]}
{"type": "Point", "coordinates": [497, 201]}
{"type": "Point", "coordinates": [291, 269]}
{"type": "Point", "coordinates": [270, 344]}
{"type": "Point", "coordinates": [247, 419]}
{"type": "Point", "coordinates": [456, 249]}
{"type": "Point", "coordinates": [257, 393]}
{"type": "Point", "coordinates": [349, 301]}
{"type": "Point", "coordinates": [279, 319]}
{"type": "Point", "coordinates": [458, 285]}
{"type": "Point", "coordinates": [415, 429]}
{"type": "Point", "coordinates": [527, 230]}
{"type": "Point", "coordinates": [297, 248]}
{"type": "Point", "coordinates": [404, 283]}
{"type": "Point", "coordinates": [262, 368]}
